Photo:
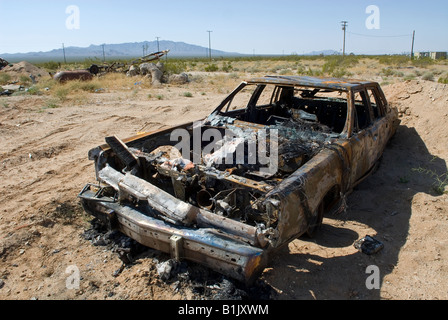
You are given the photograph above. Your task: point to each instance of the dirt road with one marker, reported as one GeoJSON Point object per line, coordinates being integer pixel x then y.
{"type": "Point", "coordinates": [44, 166]}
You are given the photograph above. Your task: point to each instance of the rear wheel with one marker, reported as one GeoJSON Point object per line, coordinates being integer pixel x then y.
{"type": "Point", "coordinates": [316, 221]}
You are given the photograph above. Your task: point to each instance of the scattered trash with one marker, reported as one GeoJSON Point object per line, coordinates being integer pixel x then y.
{"type": "Point", "coordinates": [368, 245]}
{"type": "Point", "coordinates": [119, 270]}
{"type": "Point", "coordinates": [11, 88]}
{"type": "Point", "coordinates": [6, 93]}
{"type": "Point", "coordinates": [167, 269]}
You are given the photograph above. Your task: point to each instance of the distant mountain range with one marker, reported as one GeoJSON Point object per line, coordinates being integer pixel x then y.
{"type": "Point", "coordinates": [127, 51]}
{"type": "Point", "coordinates": [118, 51]}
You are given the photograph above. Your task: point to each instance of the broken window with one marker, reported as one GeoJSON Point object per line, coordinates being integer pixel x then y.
{"type": "Point", "coordinates": [274, 104]}
{"type": "Point", "coordinates": [362, 110]}
{"type": "Point", "coordinates": [376, 103]}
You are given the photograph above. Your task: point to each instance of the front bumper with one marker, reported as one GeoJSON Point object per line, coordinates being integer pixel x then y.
{"type": "Point", "coordinates": [214, 248]}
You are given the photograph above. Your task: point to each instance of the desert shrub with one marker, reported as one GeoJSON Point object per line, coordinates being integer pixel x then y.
{"type": "Point", "coordinates": [444, 79]}
{"type": "Point", "coordinates": [24, 79]}
{"type": "Point", "coordinates": [61, 93]}
{"type": "Point", "coordinates": [309, 72]}
{"type": "Point", "coordinates": [175, 67]}
{"type": "Point", "coordinates": [340, 73]}
{"type": "Point", "coordinates": [396, 60]}
{"type": "Point", "coordinates": [4, 78]}
{"type": "Point", "coordinates": [423, 62]}
{"type": "Point", "coordinates": [227, 66]}
{"type": "Point", "coordinates": [336, 66]}
{"type": "Point", "coordinates": [429, 76]}
{"type": "Point", "coordinates": [50, 65]}
{"type": "Point", "coordinates": [211, 68]}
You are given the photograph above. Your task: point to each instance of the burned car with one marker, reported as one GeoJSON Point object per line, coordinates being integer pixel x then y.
{"type": "Point", "coordinates": [260, 171]}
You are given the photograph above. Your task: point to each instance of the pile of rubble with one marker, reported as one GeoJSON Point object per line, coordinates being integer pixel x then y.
{"type": "Point", "coordinates": [19, 75]}
{"type": "Point", "coordinates": [156, 74]}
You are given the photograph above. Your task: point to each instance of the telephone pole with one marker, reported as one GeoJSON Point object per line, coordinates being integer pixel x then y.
{"type": "Point", "coordinates": [344, 28]}
{"type": "Point", "coordinates": [412, 48]}
{"type": "Point", "coordinates": [209, 45]}
{"type": "Point", "coordinates": [158, 48]}
{"type": "Point", "coordinates": [63, 50]}
{"type": "Point", "coordinates": [104, 55]}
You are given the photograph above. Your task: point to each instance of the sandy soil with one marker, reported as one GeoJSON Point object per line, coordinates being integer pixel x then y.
{"type": "Point", "coordinates": [44, 166]}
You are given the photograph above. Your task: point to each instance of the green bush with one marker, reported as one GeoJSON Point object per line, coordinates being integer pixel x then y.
{"type": "Point", "coordinates": [50, 65]}
{"type": "Point", "coordinates": [227, 66]}
{"type": "Point", "coordinates": [175, 67]}
{"type": "Point", "coordinates": [444, 79]}
{"type": "Point", "coordinates": [396, 60]}
{"type": "Point", "coordinates": [211, 68]}
{"type": "Point", "coordinates": [423, 62]}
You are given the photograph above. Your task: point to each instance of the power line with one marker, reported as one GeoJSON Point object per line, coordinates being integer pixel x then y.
{"type": "Point", "coordinates": [375, 36]}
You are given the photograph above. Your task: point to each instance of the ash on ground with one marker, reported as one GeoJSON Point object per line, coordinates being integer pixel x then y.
{"type": "Point", "coordinates": [205, 283]}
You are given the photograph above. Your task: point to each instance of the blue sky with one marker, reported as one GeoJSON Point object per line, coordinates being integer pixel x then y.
{"type": "Point", "coordinates": [244, 26]}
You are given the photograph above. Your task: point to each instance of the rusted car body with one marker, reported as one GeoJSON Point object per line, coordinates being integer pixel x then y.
{"type": "Point", "coordinates": [64, 76]}
{"type": "Point", "coordinates": [322, 135]}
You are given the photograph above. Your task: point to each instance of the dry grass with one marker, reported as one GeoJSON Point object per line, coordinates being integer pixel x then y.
{"type": "Point", "coordinates": [231, 72]}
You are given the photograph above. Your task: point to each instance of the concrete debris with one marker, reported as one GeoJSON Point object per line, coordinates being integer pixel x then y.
{"type": "Point", "coordinates": [181, 78]}
{"type": "Point", "coordinates": [133, 71]}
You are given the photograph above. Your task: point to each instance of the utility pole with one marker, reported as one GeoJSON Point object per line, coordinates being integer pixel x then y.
{"type": "Point", "coordinates": [344, 27]}
{"type": "Point", "coordinates": [104, 55]}
{"type": "Point", "coordinates": [158, 48]}
{"type": "Point", "coordinates": [63, 50]}
{"type": "Point", "coordinates": [412, 48]}
{"type": "Point", "coordinates": [209, 45]}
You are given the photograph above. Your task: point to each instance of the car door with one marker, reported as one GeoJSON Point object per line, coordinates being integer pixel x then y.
{"type": "Point", "coordinates": [380, 127]}
{"type": "Point", "coordinates": [363, 138]}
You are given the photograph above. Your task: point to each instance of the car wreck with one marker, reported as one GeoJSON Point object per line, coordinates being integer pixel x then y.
{"type": "Point", "coordinates": [261, 170]}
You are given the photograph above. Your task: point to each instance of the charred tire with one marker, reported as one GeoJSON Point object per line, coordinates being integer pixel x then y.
{"type": "Point", "coordinates": [316, 221]}
{"type": "Point", "coordinates": [94, 69]}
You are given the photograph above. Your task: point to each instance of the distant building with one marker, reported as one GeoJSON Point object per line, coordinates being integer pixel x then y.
{"type": "Point", "coordinates": [438, 55]}
{"type": "Point", "coordinates": [432, 55]}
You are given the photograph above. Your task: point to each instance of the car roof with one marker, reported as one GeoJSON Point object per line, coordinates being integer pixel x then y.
{"type": "Point", "coordinates": [313, 82]}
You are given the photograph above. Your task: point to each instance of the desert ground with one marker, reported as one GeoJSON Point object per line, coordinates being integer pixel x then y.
{"type": "Point", "coordinates": [45, 135]}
